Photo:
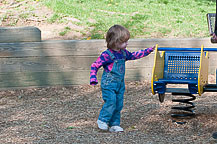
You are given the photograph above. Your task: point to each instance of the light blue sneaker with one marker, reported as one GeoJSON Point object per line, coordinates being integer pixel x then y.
{"type": "Point", "coordinates": [102, 125]}
{"type": "Point", "coordinates": [116, 129]}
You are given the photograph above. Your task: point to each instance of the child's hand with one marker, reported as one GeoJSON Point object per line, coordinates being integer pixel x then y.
{"type": "Point", "coordinates": [93, 83]}
{"type": "Point", "coordinates": [153, 48]}
{"type": "Point", "coordinates": [214, 38]}
{"type": "Point", "coordinates": [93, 86]}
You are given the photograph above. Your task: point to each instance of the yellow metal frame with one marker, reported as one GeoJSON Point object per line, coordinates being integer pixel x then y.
{"type": "Point", "coordinates": [158, 68]}
{"type": "Point", "coordinates": [203, 71]}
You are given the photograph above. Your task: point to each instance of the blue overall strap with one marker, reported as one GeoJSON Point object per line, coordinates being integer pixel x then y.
{"type": "Point", "coordinates": [110, 54]}
{"type": "Point", "coordinates": [124, 53]}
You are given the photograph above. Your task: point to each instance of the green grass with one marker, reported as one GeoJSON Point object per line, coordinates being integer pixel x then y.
{"type": "Point", "coordinates": [66, 30]}
{"type": "Point", "coordinates": [143, 18]}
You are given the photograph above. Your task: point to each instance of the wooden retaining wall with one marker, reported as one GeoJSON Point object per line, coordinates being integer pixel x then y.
{"type": "Point", "coordinates": [67, 62]}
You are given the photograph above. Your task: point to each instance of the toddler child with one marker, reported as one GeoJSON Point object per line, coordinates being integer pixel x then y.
{"type": "Point", "coordinates": [112, 82]}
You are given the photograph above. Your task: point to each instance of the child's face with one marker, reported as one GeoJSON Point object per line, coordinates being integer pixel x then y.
{"type": "Point", "coordinates": [122, 45]}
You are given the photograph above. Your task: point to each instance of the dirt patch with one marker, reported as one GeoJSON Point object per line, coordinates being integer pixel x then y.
{"type": "Point", "coordinates": [32, 13]}
{"type": "Point", "coordinates": [69, 114]}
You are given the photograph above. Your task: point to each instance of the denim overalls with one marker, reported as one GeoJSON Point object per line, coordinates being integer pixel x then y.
{"type": "Point", "coordinates": [113, 88]}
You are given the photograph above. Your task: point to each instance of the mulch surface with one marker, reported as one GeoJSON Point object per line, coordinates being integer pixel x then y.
{"type": "Point", "coordinates": [59, 114]}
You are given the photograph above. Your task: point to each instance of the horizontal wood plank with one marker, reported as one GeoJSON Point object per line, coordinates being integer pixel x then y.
{"type": "Point", "coordinates": [88, 48]}
{"type": "Point", "coordinates": [61, 64]}
{"type": "Point", "coordinates": [27, 79]}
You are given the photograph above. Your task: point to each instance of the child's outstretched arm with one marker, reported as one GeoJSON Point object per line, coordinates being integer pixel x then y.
{"type": "Point", "coordinates": [139, 54]}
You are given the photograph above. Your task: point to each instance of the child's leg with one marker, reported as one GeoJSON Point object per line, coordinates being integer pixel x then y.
{"type": "Point", "coordinates": [115, 120]}
{"type": "Point", "coordinates": [109, 97]}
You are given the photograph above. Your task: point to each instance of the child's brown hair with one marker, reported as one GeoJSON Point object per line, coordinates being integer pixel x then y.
{"type": "Point", "coordinates": [115, 34]}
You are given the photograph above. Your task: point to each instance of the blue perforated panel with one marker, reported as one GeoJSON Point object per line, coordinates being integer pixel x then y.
{"type": "Point", "coordinates": [181, 65]}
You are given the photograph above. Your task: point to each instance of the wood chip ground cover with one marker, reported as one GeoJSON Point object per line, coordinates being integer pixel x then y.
{"type": "Point", "coordinates": [69, 114]}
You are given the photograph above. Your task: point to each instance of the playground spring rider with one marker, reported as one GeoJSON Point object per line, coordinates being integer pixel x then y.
{"type": "Point", "coordinates": [181, 66]}
{"type": "Point", "coordinates": [184, 67]}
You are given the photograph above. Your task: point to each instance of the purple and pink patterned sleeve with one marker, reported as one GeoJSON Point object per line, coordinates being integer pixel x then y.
{"type": "Point", "coordinates": [138, 54]}
{"type": "Point", "coordinates": [105, 60]}
{"type": "Point", "coordinates": [102, 60]}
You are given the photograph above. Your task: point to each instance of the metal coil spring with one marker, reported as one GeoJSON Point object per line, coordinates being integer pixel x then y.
{"type": "Point", "coordinates": [186, 111]}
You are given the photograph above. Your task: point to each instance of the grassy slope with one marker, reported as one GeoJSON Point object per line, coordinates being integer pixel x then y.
{"type": "Point", "coordinates": [144, 18]}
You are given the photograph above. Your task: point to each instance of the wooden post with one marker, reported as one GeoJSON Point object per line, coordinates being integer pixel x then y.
{"type": "Point", "coordinates": [19, 34]}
